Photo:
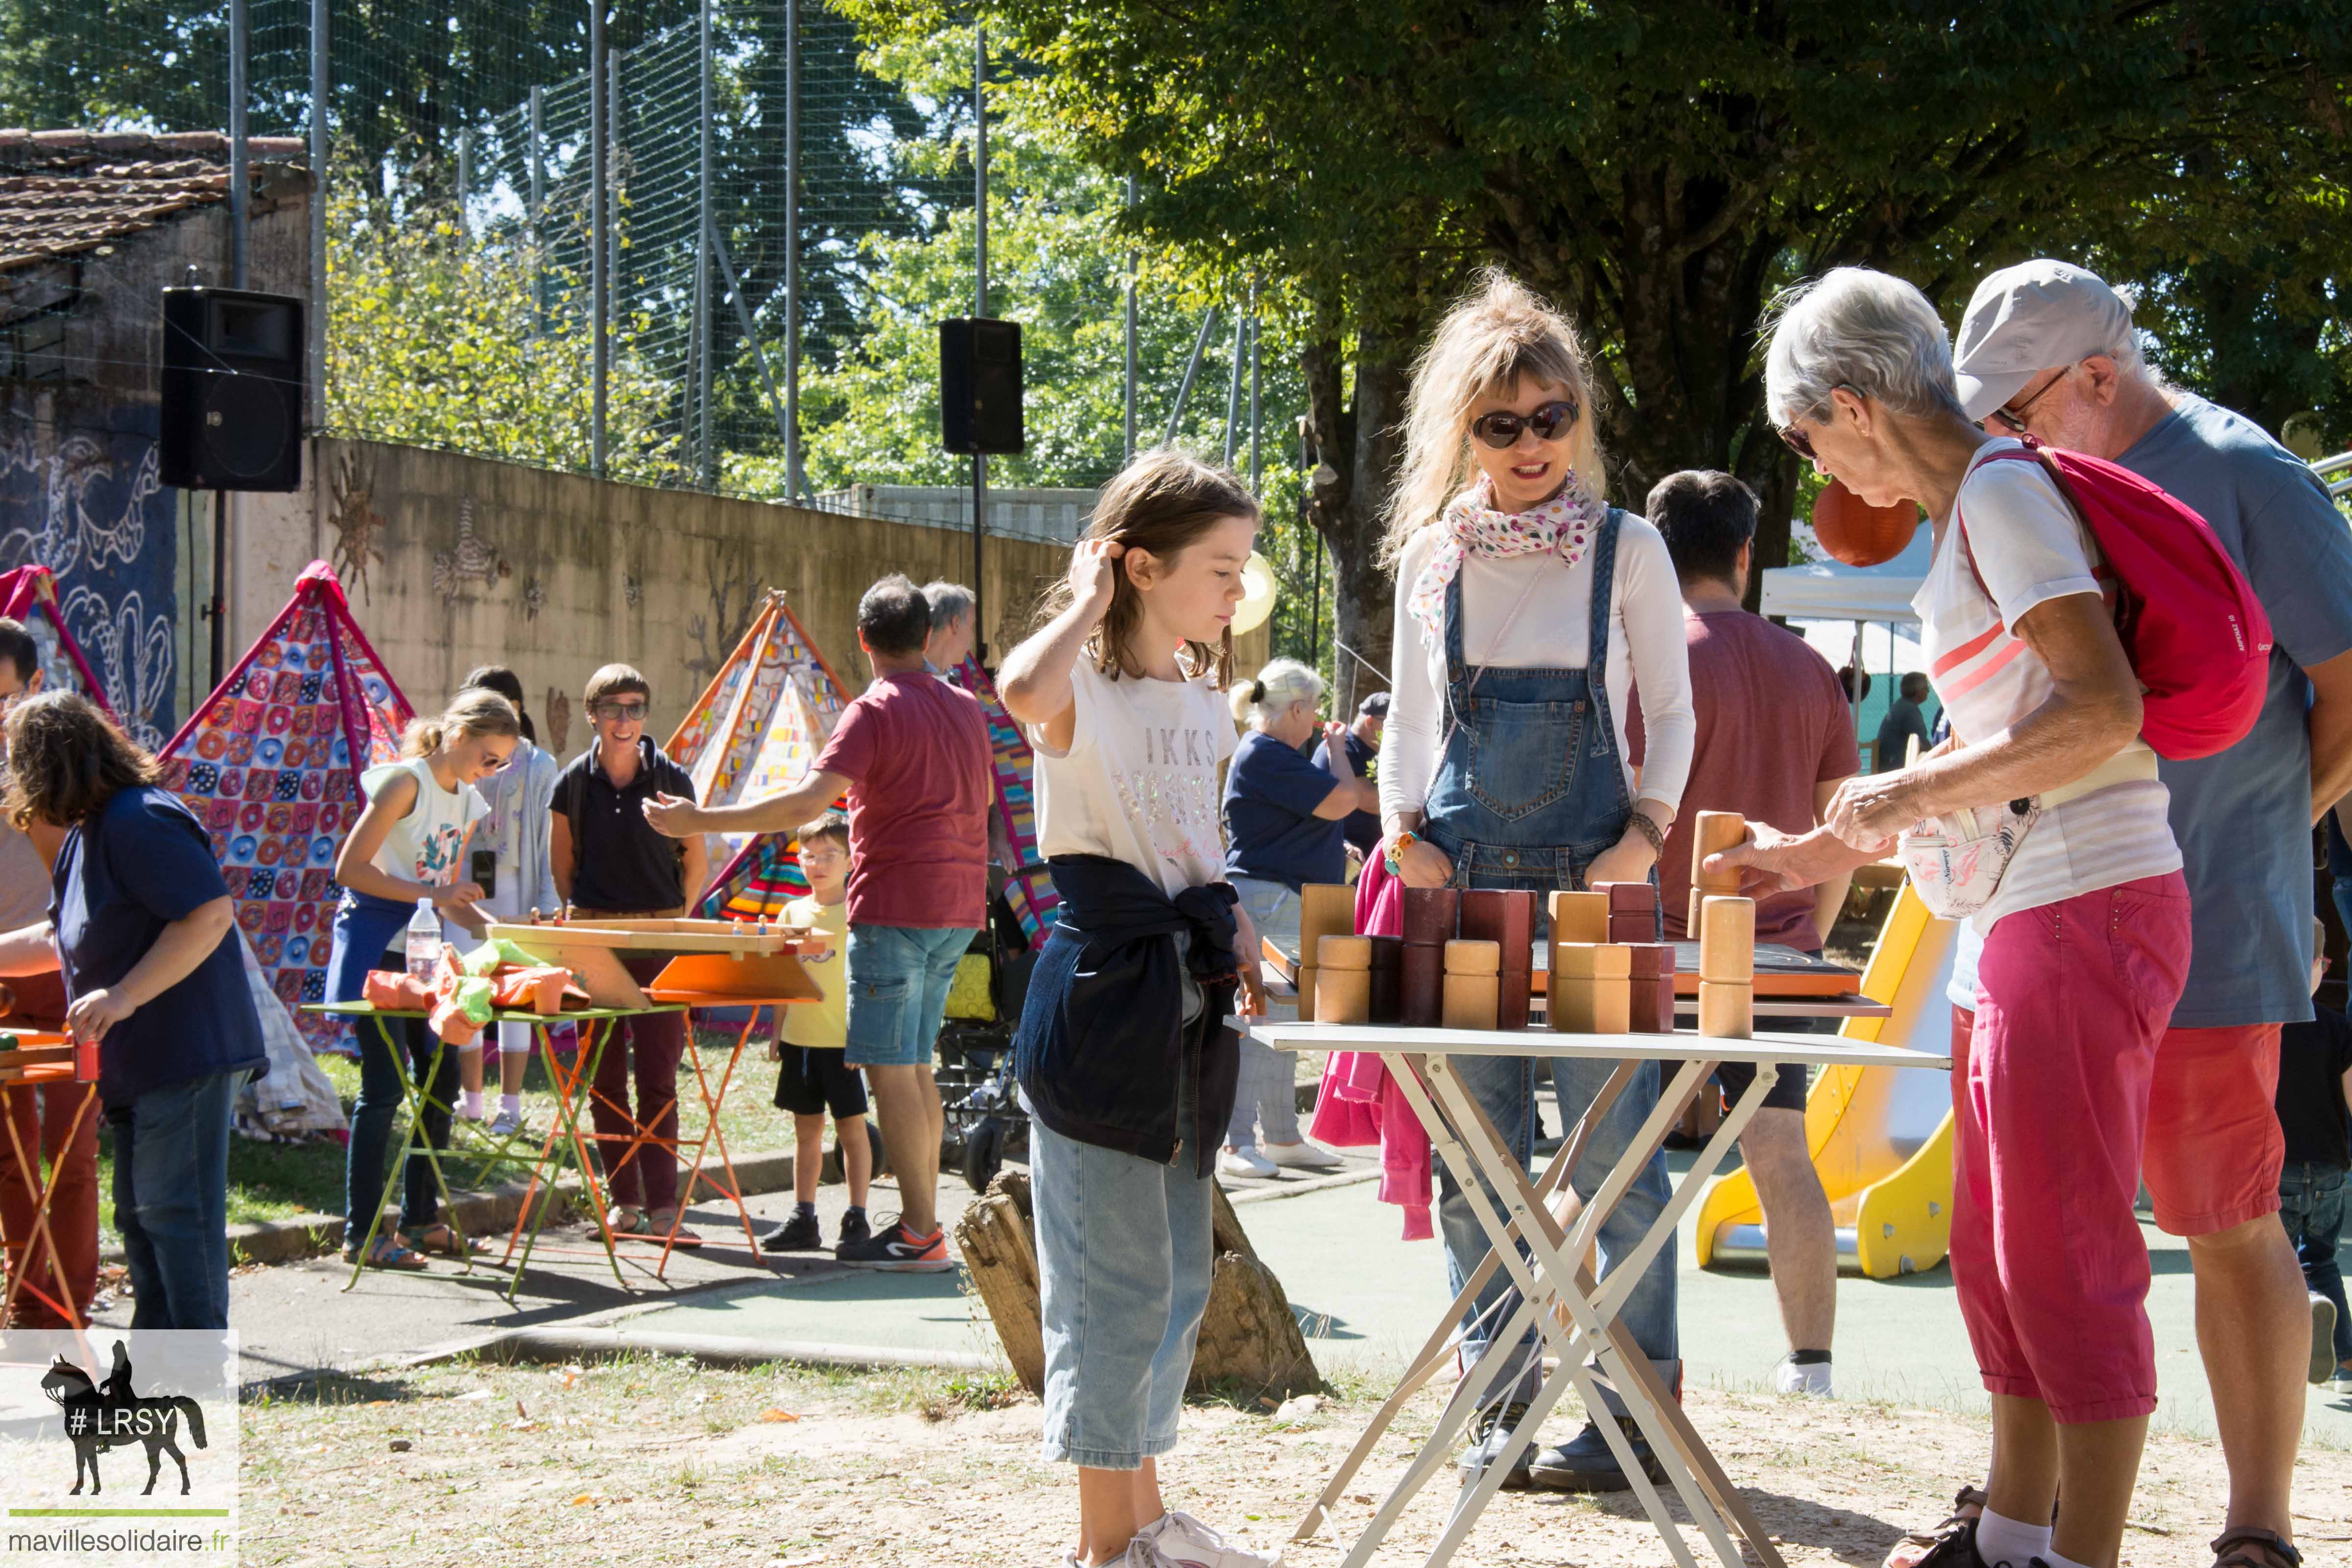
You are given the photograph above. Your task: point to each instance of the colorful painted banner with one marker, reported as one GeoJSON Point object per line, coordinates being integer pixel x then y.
{"type": "Point", "coordinates": [269, 764]}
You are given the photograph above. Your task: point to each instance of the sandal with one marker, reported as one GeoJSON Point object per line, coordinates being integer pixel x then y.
{"type": "Point", "coordinates": [661, 1222]}
{"type": "Point", "coordinates": [1931, 1547]}
{"type": "Point", "coordinates": [438, 1237]}
{"type": "Point", "coordinates": [2231, 1549]}
{"type": "Point", "coordinates": [624, 1220]}
{"type": "Point", "coordinates": [387, 1252]}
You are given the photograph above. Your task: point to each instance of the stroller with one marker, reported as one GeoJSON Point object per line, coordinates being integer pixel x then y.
{"type": "Point", "coordinates": [985, 1125]}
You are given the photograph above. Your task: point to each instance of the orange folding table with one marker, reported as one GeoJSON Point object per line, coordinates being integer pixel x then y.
{"type": "Point", "coordinates": [42, 1061]}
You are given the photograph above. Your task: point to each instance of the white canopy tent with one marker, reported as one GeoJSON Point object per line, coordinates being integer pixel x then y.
{"type": "Point", "coordinates": [1844, 611]}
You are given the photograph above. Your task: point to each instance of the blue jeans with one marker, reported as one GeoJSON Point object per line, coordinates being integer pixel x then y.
{"type": "Point", "coordinates": [392, 1050]}
{"type": "Point", "coordinates": [898, 980]}
{"type": "Point", "coordinates": [2311, 1206]}
{"type": "Point", "coordinates": [1505, 1089]}
{"type": "Point", "coordinates": [1267, 1089]}
{"type": "Point", "coordinates": [1124, 1254]}
{"type": "Point", "coordinates": [171, 1201]}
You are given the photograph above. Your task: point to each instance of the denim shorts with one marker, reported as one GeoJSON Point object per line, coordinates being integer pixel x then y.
{"type": "Point", "coordinates": [1124, 1259]}
{"type": "Point", "coordinates": [898, 980]}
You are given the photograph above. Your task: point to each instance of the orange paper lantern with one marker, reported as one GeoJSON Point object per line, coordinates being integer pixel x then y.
{"type": "Point", "coordinates": [1859, 533]}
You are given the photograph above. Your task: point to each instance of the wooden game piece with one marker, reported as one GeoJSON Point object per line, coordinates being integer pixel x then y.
{"type": "Point", "coordinates": [1628, 895]}
{"type": "Point", "coordinates": [1471, 1000]}
{"type": "Point", "coordinates": [1580, 917]}
{"type": "Point", "coordinates": [1430, 916]}
{"type": "Point", "coordinates": [1324, 909]}
{"type": "Point", "coordinates": [1591, 961]}
{"type": "Point", "coordinates": [1725, 1012]}
{"type": "Point", "coordinates": [1592, 1004]}
{"type": "Point", "coordinates": [1651, 962]}
{"type": "Point", "coordinates": [1726, 940]}
{"type": "Point", "coordinates": [1420, 989]}
{"type": "Point", "coordinates": [1351, 952]}
{"type": "Point", "coordinates": [1715, 831]}
{"type": "Point", "coordinates": [1466, 956]}
{"type": "Point", "coordinates": [1342, 995]}
{"type": "Point", "coordinates": [1631, 926]}
{"type": "Point", "coordinates": [1388, 978]}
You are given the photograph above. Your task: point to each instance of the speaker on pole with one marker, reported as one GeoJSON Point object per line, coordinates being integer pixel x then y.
{"type": "Point", "coordinates": [233, 390]}
{"type": "Point", "coordinates": [980, 386]}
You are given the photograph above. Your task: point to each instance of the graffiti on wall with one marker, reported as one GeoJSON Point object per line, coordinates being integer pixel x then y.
{"type": "Point", "coordinates": [86, 502]}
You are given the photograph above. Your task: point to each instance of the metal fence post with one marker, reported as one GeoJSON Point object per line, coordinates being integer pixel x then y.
{"type": "Point", "coordinates": [465, 181]}
{"type": "Point", "coordinates": [240, 170]}
{"type": "Point", "coordinates": [795, 482]}
{"type": "Point", "coordinates": [979, 310]}
{"type": "Point", "coordinates": [599, 285]}
{"type": "Point", "coordinates": [705, 317]}
{"type": "Point", "coordinates": [1134, 263]}
{"type": "Point", "coordinates": [538, 135]}
{"type": "Point", "coordinates": [1234, 389]}
{"type": "Point", "coordinates": [320, 89]}
{"type": "Point", "coordinates": [1253, 387]}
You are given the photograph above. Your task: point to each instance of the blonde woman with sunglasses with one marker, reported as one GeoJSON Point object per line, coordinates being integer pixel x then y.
{"type": "Point", "coordinates": [1529, 610]}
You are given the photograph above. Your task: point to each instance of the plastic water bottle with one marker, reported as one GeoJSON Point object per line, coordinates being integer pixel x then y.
{"type": "Point", "coordinates": [424, 940]}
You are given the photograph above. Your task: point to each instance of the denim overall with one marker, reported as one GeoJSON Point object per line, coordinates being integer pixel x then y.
{"type": "Point", "coordinates": [1528, 790]}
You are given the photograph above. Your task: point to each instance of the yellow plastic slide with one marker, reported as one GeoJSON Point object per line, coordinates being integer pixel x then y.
{"type": "Point", "coordinates": [1880, 1137]}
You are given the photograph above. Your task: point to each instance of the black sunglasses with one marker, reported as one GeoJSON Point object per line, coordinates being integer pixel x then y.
{"type": "Point", "coordinates": [2014, 418]}
{"type": "Point", "coordinates": [1501, 429]}
{"type": "Point", "coordinates": [1801, 444]}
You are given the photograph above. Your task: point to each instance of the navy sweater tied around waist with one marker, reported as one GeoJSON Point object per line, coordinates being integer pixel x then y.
{"type": "Point", "coordinates": [1103, 1055]}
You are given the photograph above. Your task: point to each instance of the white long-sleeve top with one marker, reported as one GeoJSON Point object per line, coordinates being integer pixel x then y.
{"type": "Point", "coordinates": [1552, 632]}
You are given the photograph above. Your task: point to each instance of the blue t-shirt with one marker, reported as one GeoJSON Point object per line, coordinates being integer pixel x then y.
{"type": "Point", "coordinates": [142, 862]}
{"type": "Point", "coordinates": [1360, 828]}
{"type": "Point", "coordinates": [1271, 830]}
{"type": "Point", "coordinates": [2243, 817]}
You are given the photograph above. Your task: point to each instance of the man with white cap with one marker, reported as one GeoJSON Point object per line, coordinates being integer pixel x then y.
{"type": "Point", "coordinates": [2047, 350]}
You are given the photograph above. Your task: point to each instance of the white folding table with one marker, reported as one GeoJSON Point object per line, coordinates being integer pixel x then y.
{"type": "Point", "coordinates": [1557, 1297]}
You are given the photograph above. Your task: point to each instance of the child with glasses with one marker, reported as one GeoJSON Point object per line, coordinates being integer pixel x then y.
{"type": "Point", "coordinates": [609, 862]}
{"type": "Point", "coordinates": [813, 1073]}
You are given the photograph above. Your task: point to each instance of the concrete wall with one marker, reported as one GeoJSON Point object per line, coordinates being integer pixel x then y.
{"type": "Point", "coordinates": [452, 562]}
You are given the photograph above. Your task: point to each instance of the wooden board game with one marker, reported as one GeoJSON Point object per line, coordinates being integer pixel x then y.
{"type": "Point", "coordinates": [711, 961]}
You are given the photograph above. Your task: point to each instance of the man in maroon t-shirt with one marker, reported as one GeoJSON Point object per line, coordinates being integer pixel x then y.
{"type": "Point", "coordinates": [1775, 739]}
{"type": "Point", "coordinates": [913, 755]}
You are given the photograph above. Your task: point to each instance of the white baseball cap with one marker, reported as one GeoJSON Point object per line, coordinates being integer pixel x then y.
{"type": "Point", "coordinates": [2027, 319]}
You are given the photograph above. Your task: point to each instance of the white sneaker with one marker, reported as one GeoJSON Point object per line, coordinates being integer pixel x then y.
{"type": "Point", "coordinates": [1813, 1378]}
{"type": "Point", "coordinates": [1180, 1541]}
{"type": "Point", "coordinates": [2323, 1339]}
{"type": "Point", "coordinates": [2342, 1382]}
{"type": "Point", "coordinates": [1302, 1156]}
{"type": "Point", "coordinates": [1244, 1162]}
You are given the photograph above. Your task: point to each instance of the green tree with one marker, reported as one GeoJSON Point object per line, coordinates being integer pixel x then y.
{"type": "Point", "coordinates": [1660, 169]}
{"type": "Point", "coordinates": [438, 341]}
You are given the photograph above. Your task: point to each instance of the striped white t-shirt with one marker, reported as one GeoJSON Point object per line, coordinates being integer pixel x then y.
{"type": "Point", "coordinates": [2029, 547]}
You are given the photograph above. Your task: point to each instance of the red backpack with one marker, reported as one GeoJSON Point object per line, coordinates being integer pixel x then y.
{"type": "Point", "coordinates": [2188, 620]}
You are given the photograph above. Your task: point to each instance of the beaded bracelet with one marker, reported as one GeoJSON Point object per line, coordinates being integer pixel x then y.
{"type": "Point", "coordinates": [1396, 848]}
{"type": "Point", "coordinates": [1653, 832]}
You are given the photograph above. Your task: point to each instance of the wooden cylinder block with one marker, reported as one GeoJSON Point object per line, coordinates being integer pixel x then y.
{"type": "Point", "coordinates": [1726, 940]}
{"type": "Point", "coordinates": [1421, 996]}
{"type": "Point", "coordinates": [1463, 956]}
{"type": "Point", "coordinates": [1344, 952]}
{"type": "Point", "coordinates": [1713, 831]}
{"type": "Point", "coordinates": [1343, 995]}
{"type": "Point", "coordinates": [1516, 1000]}
{"type": "Point", "coordinates": [1580, 917]}
{"type": "Point", "coordinates": [1388, 995]}
{"type": "Point", "coordinates": [1324, 909]}
{"type": "Point", "coordinates": [1690, 921]}
{"type": "Point", "coordinates": [1430, 915]}
{"type": "Point", "coordinates": [1472, 1001]}
{"type": "Point", "coordinates": [1582, 1006]}
{"type": "Point", "coordinates": [1725, 1012]}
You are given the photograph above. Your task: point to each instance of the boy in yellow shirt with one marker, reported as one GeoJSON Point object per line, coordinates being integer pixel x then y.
{"type": "Point", "coordinates": [814, 1076]}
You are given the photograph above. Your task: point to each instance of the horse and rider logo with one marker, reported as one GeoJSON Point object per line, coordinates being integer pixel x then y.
{"type": "Point", "coordinates": [103, 1415]}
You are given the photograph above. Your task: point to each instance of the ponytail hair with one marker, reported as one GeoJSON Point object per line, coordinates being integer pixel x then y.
{"type": "Point", "coordinates": [1278, 686]}
{"type": "Point", "coordinates": [473, 712]}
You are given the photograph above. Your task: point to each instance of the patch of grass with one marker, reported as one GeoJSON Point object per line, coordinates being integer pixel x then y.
{"type": "Point", "coordinates": [279, 1181]}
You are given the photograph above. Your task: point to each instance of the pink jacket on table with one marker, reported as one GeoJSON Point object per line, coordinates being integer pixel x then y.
{"type": "Point", "coordinates": [1359, 1103]}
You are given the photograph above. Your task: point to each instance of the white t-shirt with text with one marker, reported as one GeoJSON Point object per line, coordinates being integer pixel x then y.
{"type": "Point", "coordinates": [1140, 780]}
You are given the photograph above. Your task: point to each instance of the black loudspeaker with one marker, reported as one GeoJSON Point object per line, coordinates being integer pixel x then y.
{"type": "Point", "coordinates": [233, 390]}
{"type": "Point", "coordinates": [979, 386]}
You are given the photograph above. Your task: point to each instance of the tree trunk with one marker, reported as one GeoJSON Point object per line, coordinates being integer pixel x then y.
{"type": "Point", "coordinates": [1356, 451]}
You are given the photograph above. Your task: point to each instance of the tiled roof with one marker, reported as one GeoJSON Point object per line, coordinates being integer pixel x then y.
{"type": "Point", "coordinates": [66, 191]}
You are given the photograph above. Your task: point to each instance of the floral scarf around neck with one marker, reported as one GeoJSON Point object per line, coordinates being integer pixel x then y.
{"type": "Point", "coordinates": [1566, 524]}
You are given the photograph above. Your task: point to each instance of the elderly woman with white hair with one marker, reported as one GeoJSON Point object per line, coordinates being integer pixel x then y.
{"type": "Point", "coordinates": [1285, 827]}
{"type": "Point", "coordinates": [2045, 804]}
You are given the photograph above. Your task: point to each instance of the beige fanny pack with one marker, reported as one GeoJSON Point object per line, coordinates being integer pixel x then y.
{"type": "Point", "coordinates": [1956, 860]}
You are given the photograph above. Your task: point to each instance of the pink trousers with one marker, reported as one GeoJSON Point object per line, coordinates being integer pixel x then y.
{"type": "Point", "coordinates": [2050, 1097]}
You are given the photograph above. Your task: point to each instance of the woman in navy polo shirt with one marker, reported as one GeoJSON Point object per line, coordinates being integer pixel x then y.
{"type": "Point", "coordinates": [145, 932]}
{"type": "Point", "coordinates": [1285, 826]}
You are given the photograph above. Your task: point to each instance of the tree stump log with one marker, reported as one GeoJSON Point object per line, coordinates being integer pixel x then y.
{"type": "Point", "coordinates": [999, 1252]}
